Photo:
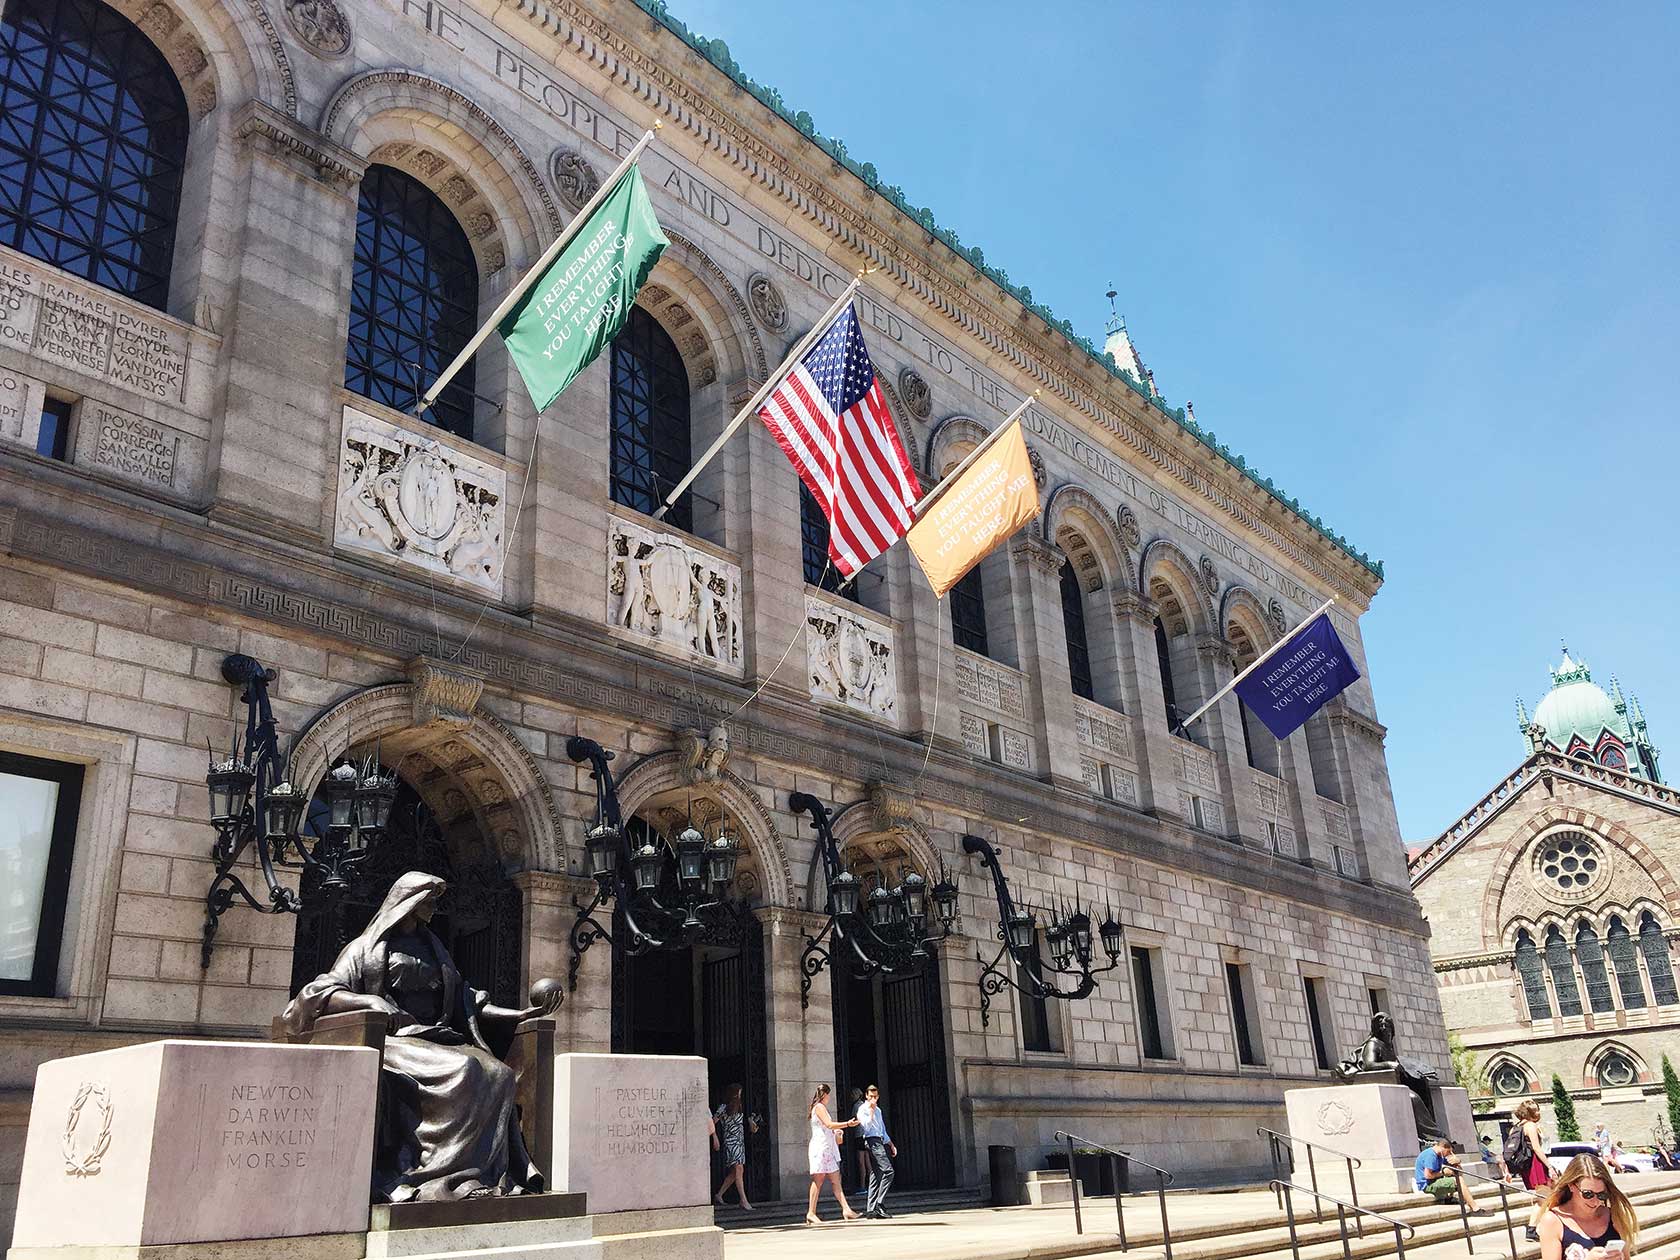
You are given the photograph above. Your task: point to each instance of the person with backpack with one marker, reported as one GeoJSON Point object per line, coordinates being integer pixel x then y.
{"type": "Point", "coordinates": [1525, 1156]}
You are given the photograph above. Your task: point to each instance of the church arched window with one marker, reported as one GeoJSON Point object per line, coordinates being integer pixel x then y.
{"type": "Point", "coordinates": [1616, 1070]}
{"type": "Point", "coordinates": [92, 146]}
{"type": "Point", "coordinates": [1590, 954]}
{"type": "Point", "coordinates": [413, 299]}
{"type": "Point", "coordinates": [651, 447]}
{"type": "Point", "coordinates": [1073, 623]}
{"type": "Point", "coordinates": [1625, 959]}
{"type": "Point", "coordinates": [1533, 977]}
{"type": "Point", "coordinates": [1507, 1079]}
{"type": "Point", "coordinates": [1163, 659]}
{"type": "Point", "coordinates": [1613, 757]}
{"type": "Point", "coordinates": [1655, 948]}
{"type": "Point", "coordinates": [1562, 968]}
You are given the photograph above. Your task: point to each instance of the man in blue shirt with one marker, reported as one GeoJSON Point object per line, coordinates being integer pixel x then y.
{"type": "Point", "coordinates": [1436, 1174]}
{"type": "Point", "coordinates": [873, 1126]}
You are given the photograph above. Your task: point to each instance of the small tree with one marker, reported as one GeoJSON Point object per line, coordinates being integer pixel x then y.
{"type": "Point", "coordinates": [1671, 1087]}
{"type": "Point", "coordinates": [1563, 1107]}
{"type": "Point", "coordinates": [1466, 1071]}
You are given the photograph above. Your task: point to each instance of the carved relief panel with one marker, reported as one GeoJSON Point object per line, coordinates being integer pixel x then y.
{"type": "Point", "coordinates": [406, 496]}
{"type": "Point", "coordinates": [665, 592]}
{"type": "Point", "coordinates": [850, 659]}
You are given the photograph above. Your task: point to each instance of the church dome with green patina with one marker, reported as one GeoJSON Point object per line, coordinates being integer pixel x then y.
{"type": "Point", "coordinates": [1579, 718]}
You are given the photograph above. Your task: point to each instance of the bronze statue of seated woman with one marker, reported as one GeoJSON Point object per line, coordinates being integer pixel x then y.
{"type": "Point", "coordinates": [448, 1128]}
{"type": "Point", "coordinates": [1377, 1057]}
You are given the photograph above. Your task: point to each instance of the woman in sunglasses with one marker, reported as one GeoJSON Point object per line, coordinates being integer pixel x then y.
{"type": "Point", "coordinates": [1584, 1216]}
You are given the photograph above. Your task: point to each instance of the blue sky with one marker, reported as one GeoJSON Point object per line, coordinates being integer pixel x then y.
{"type": "Point", "coordinates": [1417, 263]}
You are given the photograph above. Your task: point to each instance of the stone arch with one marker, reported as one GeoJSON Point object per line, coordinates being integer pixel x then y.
{"type": "Point", "coordinates": [667, 771]}
{"type": "Point", "coordinates": [900, 415]}
{"type": "Point", "coordinates": [743, 350]}
{"type": "Point", "coordinates": [475, 165]}
{"type": "Point", "coordinates": [219, 51]}
{"type": "Point", "coordinates": [1611, 1045]}
{"type": "Point", "coordinates": [1172, 581]}
{"type": "Point", "coordinates": [472, 766]}
{"type": "Point", "coordinates": [1243, 617]}
{"type": "Point", "coordinates": [715, 345]}
{"type": "Point", "coordinates": [860, 829]}
{"type": "Point", "coordinates": [951, 439]}
{"type": "Point", "coordinates": [1506, 1058]}
{"type": "Point", "coordinates": [1075, 520]}
{"type": "Point", "coordinates": [1662, 887]}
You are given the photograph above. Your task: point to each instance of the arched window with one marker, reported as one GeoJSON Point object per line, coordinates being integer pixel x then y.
{"type": "Point", "coordinates": [968, 613]}
{"type": "Point", "coordinates": [1657, 963]}
{"type": "Point", "coordinates": [1507, 1079]}
{"type": "Point", "coordinates": [1590, 954]}
{"type": "Point", "coordinates": [1613, 757]}
{"type": "Point", "coordinates": [1073, 622]}
{"type": "Point", "coordinates": [650, 421]}
{"type": "Point", "coordinates": [1163, 658]}
{"type": "Point", "coordinates": [813, 546]}
{"type": "Point", "coordinates": [413, 299]}
{"type": "Point", "coordinates": [1563, 973]}
{"type": "Point", "coordinates": [93, 136]}
{"type": "Point", "coordinates": [1625, 959]}
{"type": "Point", "coordinates": [1615, 1070]}
{"type": "Point", "coordinates": [1533, 978]}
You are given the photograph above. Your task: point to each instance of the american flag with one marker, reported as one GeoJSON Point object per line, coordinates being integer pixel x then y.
{"type": "Point", "coordinates": [831, 421]}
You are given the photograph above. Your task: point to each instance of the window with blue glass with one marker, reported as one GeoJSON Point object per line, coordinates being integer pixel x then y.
{"type": "Point", "coordinates": [813, 545]}
{"type": "Point", "coordinates": [650, 419]}
{"type": "Point", "coordinates": [1163, 659]}
{"type": "Point", "coordinates": [968, 613]}
{"type": "Point", "coordinates": [93, 136]}
{"type": "Point", "coordinates": [1073, 622]}
{"type": "Point", "coordinates": [413, 299]}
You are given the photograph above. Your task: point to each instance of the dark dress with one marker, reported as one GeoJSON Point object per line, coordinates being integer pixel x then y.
{"type": "Point", "coordinates": [1571, 1235]}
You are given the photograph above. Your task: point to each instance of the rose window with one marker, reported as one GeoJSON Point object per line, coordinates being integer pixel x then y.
{"type": "Point", "coordinates": [1569, 864]}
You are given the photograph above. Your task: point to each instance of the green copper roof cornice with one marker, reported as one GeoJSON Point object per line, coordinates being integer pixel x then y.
{"type": "Point", "coordinates": [717, 53]}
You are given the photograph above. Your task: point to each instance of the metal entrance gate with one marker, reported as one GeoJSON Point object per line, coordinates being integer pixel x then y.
{"type": "Point", "coordinates": [890, 1030]}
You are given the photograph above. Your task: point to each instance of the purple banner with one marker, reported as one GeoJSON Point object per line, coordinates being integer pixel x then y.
{"type": "Point", "coordinates": [1300, 678]}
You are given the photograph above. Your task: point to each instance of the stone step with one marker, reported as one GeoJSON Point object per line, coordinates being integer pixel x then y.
{"type": "Point", "coordinates": [792, 1211]}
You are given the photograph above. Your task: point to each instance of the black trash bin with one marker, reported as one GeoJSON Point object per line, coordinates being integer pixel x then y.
{"type": "Point", "coordinates": [1006, 1181]}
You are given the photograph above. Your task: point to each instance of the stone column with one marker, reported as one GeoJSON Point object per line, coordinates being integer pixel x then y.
{"type": "Point", "coordinates": [586, 1017]}
{"type": "Point", "coordinates": [801, 1043]}
{"type": "Point", "coordinates": [1372, 819]}
{"type": "Point", "coordinates": [283, 332]}
{"type": "Point", "coordinates": [1216, 665]}
{"type": "Point", "coordinates": [1140, 685]}
{"type": "Point", "coordinates": [567, 503]}
{"type": "Point", "coordinates": [1041, 642]}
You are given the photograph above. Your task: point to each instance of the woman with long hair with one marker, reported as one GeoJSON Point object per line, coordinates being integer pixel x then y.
{"type": "Point", "coordinates": [1584, 1213]}
{"type": "Point", "coordinates": [1538, 1174]}
{"type": "Point", "coordinates": [825, 1156]}
{"type": "Point", "coordinates": [732, 1123]}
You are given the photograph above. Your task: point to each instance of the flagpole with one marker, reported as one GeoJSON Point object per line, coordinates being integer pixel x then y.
{"type": "Point", "coordinates": [973, 455]}
{"type": "Point", "coordinates": [533, 274]}
{"type": "Point", "coordinates": [764, 390]}
{"type": "Point", "coordinates": [1258, 662]}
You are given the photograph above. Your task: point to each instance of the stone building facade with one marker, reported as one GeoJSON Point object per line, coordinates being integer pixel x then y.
{"type": "Point", "coordinates": [1554, 913]}
{"type": "Point", "coordinates": [194, 464]}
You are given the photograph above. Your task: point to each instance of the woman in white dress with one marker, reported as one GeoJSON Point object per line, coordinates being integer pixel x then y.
{"type": "Point", "coordinates": [825, 1155]}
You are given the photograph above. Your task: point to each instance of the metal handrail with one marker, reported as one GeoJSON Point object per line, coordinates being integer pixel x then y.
{"type": "Point", "coordinates": [1277, 1142]}
{"type": "Point", "coordinates": [1504, 1204]}
{"type": "Point", "coordinates": [1287, 1189]}
{"type": "Point", "coordinates": [1163, 1179]}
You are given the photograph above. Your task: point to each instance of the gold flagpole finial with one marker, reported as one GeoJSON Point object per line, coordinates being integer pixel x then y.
{"type": "Point", "coordinates": [658, 125]}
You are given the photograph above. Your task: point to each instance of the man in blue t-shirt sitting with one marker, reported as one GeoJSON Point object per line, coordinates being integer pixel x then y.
{"type": "Point", "coordinates": [1436, 1174]}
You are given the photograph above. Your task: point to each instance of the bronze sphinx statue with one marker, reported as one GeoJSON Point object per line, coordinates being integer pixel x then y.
{"type": "Point", "coordinates": [447, 1128]}
{"type": "Point", "coordinates": [1377, 1061]}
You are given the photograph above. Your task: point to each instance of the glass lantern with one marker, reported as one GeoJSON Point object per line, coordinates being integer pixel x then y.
{"type": "Point", "coordinates": [282, 807]}
{"type": "Point", "coordinates": [375, 795]}
{"type": "Point", "coordinates": [914, 891]}
{"type": "Point", "coordinates": [945, 900]}
{"type": "Point", "coordinates": [691, 857]}
{"type": "Point", "coordinates": [722, 855]}
{"type": "Point", "coordinates": [882, 908]}
{"type": "Point", "coordinates": [602, 844]}
{"type": "Point", "coordinates": [843, 894]}
{"type": "Point", "coordinates": [645, 864]}
{"type": "Point", "coordinates": [1057, 938]}
{"type": "Point", "coordinates": [230, 788]}
{"type": "Point", "coordinates": [1111, 941]}
{"type": "Point", "coordinates": [1021, 930]}
{"type": "Point", "coordinates": [339, 787]}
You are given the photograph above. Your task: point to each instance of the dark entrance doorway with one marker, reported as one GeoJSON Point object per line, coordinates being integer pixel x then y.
{"type": "Point", "coordinates": [890, 1031]}
{"type": "Point", "coordinates": [478, 919]}
{"type": "Point", "coordinates": [706, 1000]}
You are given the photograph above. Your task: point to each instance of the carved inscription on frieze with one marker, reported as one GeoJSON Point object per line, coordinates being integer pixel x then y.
{"type": "Point", "coordinates": [78, 327]}
{"type": "Point", "coordinates": [142, 450]}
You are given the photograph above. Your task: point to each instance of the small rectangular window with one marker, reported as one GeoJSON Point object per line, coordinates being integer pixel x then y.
{"type": "Point", "coordinates": [1154, 1036]}
{"type": "Point", "coordinates": [39, 803]}
{"type": "Point", "coordinates": [968, 613]}
{"type": "Point", "coordinates": [1038, 1028]}
{"type": "Point", "coordinates": [1318, 1020]}
{"type": "Point", "coordinates": [1239, 984]}
{"type": "Point", "coordinates": [1379, 998]}
{"type": "Point", "coordinates": [53, 440]}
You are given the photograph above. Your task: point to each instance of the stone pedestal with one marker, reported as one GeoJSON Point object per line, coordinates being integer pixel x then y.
{"type": "Point", "coordinates": [180, 1142]}
{"type": "Point", "coordinates": [1041, 1186]}
{"type": "Point", "coordinates": [1374, 1124]}
{"type": "Point", "coordinates": [629, 1130]}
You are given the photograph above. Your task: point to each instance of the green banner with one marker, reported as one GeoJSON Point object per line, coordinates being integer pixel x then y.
{"type": "Point", "coordinates": [569, 315]}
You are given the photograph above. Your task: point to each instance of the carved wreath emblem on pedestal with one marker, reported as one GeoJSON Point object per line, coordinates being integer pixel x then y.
{"type": "Point", "coordinates": [321, 25]}
{"type": "Point", "coordinates": [87, 1130]}
{"type": "Point", "coordinates": [1334, 1118]}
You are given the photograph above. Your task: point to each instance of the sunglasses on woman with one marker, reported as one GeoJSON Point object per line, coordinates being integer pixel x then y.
{"type": "Point", "coordinates": [1593, 1196]}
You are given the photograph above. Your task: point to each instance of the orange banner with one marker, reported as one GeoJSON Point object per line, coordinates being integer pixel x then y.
{"type": "Point", "coordinates": [992, 499]}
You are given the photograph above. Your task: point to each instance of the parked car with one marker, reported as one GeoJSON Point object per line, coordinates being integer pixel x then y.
{"type": "Point", "coordinates": [1558, 1154]}
{"type": "Point", "coordinates": [1638, 1161]}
